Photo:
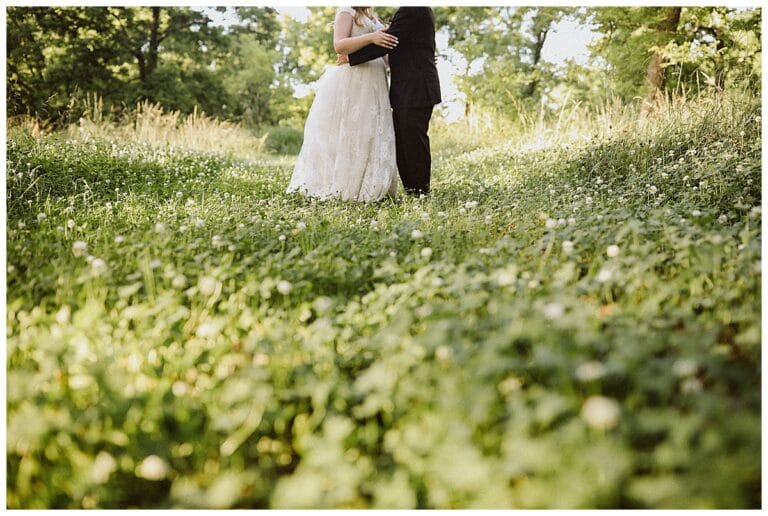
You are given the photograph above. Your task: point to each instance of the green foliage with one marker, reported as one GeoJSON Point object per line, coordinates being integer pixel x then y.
{"type": "Point", "coordinates": [574, 326]}
{"type": "Point", "coordinates": [507, 41]}
{"type": "Point", "coordinates": [308, 47]}
{"type": "Point", "coordinates": [283, 140]}
{"type": "Point", "coordinates": [249, 76]}
{"type": "Point", "coordinates": [174, 56]}
{"type": "Point", "coordinates": [712, 48]}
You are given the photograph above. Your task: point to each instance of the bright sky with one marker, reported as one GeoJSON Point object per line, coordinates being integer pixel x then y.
{"type": "Point", "coordinates": [568, 40]}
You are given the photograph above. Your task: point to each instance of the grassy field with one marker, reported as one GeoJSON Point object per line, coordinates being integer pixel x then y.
{"type": "Point", "coordinates": [565, 324]}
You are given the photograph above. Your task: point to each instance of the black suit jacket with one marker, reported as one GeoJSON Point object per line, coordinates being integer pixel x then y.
{"type": "Point", "coordinates": [414, 73]}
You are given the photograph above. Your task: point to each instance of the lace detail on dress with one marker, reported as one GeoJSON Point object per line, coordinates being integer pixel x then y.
{"type": "Point", "coordinates": [349, 138]}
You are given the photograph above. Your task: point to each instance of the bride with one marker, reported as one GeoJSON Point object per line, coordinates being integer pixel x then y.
{"type": "Point", "coordinates": [349, 139]}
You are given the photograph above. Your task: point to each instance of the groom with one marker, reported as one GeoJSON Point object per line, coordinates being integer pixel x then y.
{"type": "Point", "coordinates": [414, 91]}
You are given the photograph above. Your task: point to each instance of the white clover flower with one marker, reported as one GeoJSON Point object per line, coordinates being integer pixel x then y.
{"type": "Point", "coordinates": [98, 265]}
{"type": "Point", "coordinates": [612, 251]}
{"type": "Point", "coordinates": [426, 252]}
{"type": "Point", "coordinates": [567, 247]}
{"type": "Point", "coordinates": [533, 283]}
{"type": "Point", "coordinates": [653, 189]}
{"type": "Point", "coordinates": [462, 211]}
{"type": "Point", "coordinates": [22, 225]}
{"type": "Point", "coordinates": [301, 225]}
{"type": "Point", "coordinates": [207, 330]}
{"type": "Point", "coordinates": [216, 241]}
{"type": "Point", "coordinates": [103, 466]}
{"type": "Point", "coordinates": [505, 278]}
{"type": "Point", "coordinates": [322, 304]}
{"type": "Point", "coordinates": [207, 285]}
{"type": "Point", "coordinates": [190, 202]}
{"type": "Point", "coordinates": [553, 310]}
{"type": "Point", "coordinates": [685, 178]}
{"type": "Point", "coordinates": [470, 204]}
{"type": "Point", "coordinates": [685, 367]}
{"type": "Point", "coordinates": [281, 238]}
{"type": "Point", "coordinates": [260, 359]}
{"type": "Point", "coordinates": [179, 281]}
{"type": "Point", "coordinates": [179, 194]}
{"type": "Point", "coordinates": [601, 413]}
{"type": "Point", "coordinates": [755, 212]}
{"type": "Point", "coordinates": [416, 234]}
{"type": "Point", "coordinates": [509, 385]}
{"type": "Point", "coordinates": [443, 353]}
{"type": "Point", "coordinates": [80, 381]}
{"type": "Point", "coordinates": [571, 221]}
{"type": "Point", "coordinates": [79, 248]}
{"type": "Point", "coordinates": [152, 468]}
{"type": "Point", "coordinates": [442, 214]}
{"type": "Point", "coordinates": [424, 215]}
{"type": "Point", "coordinates": [62, 316]}
{"type": "Point", "coordinates": [41, 217]}
{"type": "Point", "coordinates": [199, 222]}
{"type": "Point", "coordinates": [488, 219]}
{"type": "Point", "coordinates": [550, 223]}
{"type": "Point", "coordinates": [155, 264]}
{"type": "Point", "coordinates": [589, 371]}
{"type": "Point", "coordinates": [183, 228]}
{"type": "Point", "coordinates": [179, 388]}
{"type": "Point", "coordinates": [696, 213]}
{"type": "Point", "coordinates": [159, 227]}
{"type": "Point", "coordinates": [284, 287]}
{"type": "Point", "coordinates": [604, 275]}
{"type": "Point", "coordinates": [70, 224]}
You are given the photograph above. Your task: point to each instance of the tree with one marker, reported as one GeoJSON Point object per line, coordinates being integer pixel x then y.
{"type": "Point", "coordinates": [506, 45]}
{"type": "Point", "coordinates": [663, 50]}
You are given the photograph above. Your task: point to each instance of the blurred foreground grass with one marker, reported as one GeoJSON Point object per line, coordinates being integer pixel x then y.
{"type": "Point", "coordinates": [565, 322]}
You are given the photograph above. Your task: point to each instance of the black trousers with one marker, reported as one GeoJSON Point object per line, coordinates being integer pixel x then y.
{"type": "Point", "coordinates": [414, 161]}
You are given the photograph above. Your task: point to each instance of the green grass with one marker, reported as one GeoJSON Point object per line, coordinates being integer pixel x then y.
{"type": "Point", "coordinates": [219, 343]}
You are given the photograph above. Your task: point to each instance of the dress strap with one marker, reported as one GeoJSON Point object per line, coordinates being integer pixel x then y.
{"type": "Point", "coordinates": [347, 10]}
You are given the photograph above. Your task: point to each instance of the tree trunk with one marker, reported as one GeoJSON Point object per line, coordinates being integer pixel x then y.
{"type": "Point", "coordinates": [541, 37]}
{"type": "Point", "coordinates": [153, 41]}
{"type": "Point", "coordinates": [654, 78]}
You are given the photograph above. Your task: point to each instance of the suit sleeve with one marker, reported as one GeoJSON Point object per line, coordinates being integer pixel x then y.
{"type": "Point", "coordinates": [400, 28]}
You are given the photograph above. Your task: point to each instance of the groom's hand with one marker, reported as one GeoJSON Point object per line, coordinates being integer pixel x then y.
{"type": "Point", "coordinates": [342, 59]}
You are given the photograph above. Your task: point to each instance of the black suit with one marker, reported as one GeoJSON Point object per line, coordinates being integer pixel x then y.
{"type": "Point", "coordinates": [414, 90]}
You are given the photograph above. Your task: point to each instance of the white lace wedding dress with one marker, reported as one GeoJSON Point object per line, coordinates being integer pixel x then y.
{"type": "Point", "coordinates": [349, 139]}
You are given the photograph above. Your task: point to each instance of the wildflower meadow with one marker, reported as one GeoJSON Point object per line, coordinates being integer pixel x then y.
{"type": "Point", "coordinates": [563, 323]}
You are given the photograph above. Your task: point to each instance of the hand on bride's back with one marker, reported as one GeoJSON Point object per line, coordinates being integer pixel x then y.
{"type": "Point", "coordinates": [383, 39]}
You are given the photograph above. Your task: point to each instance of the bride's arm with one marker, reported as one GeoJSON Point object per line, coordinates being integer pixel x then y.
{"type": "Point", "coordinates": [343, 43]}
